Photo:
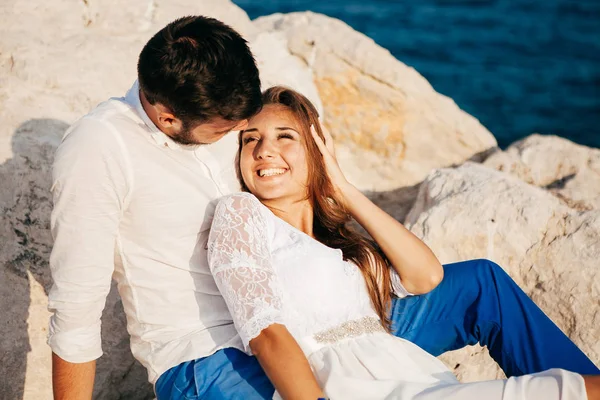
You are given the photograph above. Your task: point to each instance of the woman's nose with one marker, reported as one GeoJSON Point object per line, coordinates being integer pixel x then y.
{"type": "Point", "coordinates": [265, 150]}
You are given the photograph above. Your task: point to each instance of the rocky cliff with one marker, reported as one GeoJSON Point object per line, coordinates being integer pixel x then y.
{"type": "Point", "coordinates": [532, 208]}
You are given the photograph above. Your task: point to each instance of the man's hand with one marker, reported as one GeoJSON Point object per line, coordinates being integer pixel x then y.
{"type": "Point", "coordinates": [72, 381]}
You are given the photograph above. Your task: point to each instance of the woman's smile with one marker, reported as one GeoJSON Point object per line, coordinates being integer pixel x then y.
{"type": "Point", "coordinates": [271, 172]}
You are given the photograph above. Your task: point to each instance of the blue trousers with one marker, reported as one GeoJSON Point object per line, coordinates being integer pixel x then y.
{"type": "Point", "coordinates": [477, 302]}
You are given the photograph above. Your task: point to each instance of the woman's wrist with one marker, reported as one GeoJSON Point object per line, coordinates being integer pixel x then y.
{"type": "Point", "coordinates": [348, 194]}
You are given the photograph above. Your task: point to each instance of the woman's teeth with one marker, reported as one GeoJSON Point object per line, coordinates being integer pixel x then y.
{"type": "Point", "coordinates": [271, 171]}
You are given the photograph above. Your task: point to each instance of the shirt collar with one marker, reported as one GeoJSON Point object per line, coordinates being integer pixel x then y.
{"type": "Point", "coordinates": [160, 138]}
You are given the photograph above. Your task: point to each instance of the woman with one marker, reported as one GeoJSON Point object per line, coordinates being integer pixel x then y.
{"type": "Point", "coordinates": [309, 296]}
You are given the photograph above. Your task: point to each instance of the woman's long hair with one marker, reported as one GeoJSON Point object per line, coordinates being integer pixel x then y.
{"type": "Point", "coordinates": [330, 216]}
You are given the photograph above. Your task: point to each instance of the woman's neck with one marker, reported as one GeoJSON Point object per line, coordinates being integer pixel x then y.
{"type": "Point", "coordinates": [299, 214]}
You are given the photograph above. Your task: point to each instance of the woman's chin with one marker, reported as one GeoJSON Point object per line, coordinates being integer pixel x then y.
{"type": "Point", "coordinates": [267, 194]}
{"type": "Point", "coordinates": [266, 189]}
{"type": "Point", "coordinates": [276, 189]}
{"type": "Point", "coordinates": [273, 193]}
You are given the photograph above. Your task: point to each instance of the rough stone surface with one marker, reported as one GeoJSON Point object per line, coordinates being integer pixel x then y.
{"type": "Point", "coordinates": [569, 171]}
{"type": "Point", "coordinates": [279, 67]}
{"type": "Point", "coordinates": [391, 127]}
{"type": "Point", "coordinates": [82, 54]}
{"type": "Point", "coordinates": [24, 252]}
{"type": "Point", "coordinates": [24, 249]}
{"type": "Point", "coordinates": [548, 248]}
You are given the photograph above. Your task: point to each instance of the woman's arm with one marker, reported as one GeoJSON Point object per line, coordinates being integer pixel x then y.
{"type": "Point", "coordinates": [418, 268]}
{"type": "Point", "coordinates": [285, 364]}
{"type": "Point", "coordinates": [239, 257]}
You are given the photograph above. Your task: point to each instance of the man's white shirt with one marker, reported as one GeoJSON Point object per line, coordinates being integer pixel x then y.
{"type": "Point", "coordinates": [132, 204]}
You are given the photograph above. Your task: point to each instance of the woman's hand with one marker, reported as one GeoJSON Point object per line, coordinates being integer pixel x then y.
{"type": "Point", "coordinates": [418, 268]}
{"type": "Point", "coordinates": [336, 176]}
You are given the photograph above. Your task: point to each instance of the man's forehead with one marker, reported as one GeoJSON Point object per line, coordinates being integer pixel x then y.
{"type": "Point", "coordinates": [220, 123]}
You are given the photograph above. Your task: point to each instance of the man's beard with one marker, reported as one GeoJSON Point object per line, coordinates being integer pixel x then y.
{"type": "Point", "coordinates": [185, 137]}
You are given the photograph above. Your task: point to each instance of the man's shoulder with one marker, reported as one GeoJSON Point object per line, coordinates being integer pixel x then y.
{"type": "Point", "coordinates": [109, 108]}
{"type": "Point", "coordinates": [103, 126]}
{"type": "Point", "coordinates": [108, 114]}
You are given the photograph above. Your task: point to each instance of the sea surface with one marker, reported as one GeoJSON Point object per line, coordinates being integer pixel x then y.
{"type": "Point", "coordinates": [519, 66]}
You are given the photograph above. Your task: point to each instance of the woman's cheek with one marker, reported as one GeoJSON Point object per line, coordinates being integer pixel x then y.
{"type": "Point", "coordinates": [245, 169]}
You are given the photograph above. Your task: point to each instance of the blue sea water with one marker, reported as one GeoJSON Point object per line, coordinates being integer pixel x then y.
{"type": "Point", "coordinates": [519, 66]}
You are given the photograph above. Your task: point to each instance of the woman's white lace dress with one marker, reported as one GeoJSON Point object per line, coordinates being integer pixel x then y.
{"type": "Point", "coordinates": [269, 272]}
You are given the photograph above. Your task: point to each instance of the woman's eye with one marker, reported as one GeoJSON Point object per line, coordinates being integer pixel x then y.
{"type": "Point", "coordinates": [249, 139]}
{"type": "Point", "coordinates": [285, 136]}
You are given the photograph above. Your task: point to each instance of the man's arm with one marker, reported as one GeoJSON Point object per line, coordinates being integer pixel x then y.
{"type": "Point", "coordinates": [72, 381]}
{"type": "Point", "coordinates": [89, 185]}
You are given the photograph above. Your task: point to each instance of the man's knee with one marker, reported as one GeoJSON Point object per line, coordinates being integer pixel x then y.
{"type": "Point", "coordinates": [480, 267]}
{"type": "Point", "coordinates": [476, 277]}
{"type": "Point", "coordinates": [494, 271]}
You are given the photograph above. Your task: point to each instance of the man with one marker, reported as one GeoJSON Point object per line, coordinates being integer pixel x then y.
{"type": "Point", "coordinates": [135, 182]}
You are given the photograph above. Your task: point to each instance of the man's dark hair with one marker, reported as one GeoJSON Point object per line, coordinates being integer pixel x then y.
{"type": "Point", "coordinates": [200, 69]}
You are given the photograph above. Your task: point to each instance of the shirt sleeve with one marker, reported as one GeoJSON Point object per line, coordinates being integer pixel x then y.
{"type": "Point", "coordinates": [240, 261]}
{"type": "Point", "coordinates": [397, 287]}
{"type": "Point", "coordinates": [89, 189]}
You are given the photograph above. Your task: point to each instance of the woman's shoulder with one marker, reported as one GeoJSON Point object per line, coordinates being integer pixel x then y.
{"type": "Point", "coordinates": [240, 203]}
{"type": "Point", "coordinates": [240, 198]}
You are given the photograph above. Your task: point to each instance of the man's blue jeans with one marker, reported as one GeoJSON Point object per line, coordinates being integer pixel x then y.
{"type": "Point", "coordinates": [477, 302]}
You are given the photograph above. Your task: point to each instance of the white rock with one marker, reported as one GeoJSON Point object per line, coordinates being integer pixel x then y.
{"type": "Point", "coordinates": [391, 127]}
{"type": "Point", "coordinates": [81, 55]}
{"type": "Point", "coordinates": [568, 170]}
{"type": "Point", "coordinates": [549, 249]}
{"type": "Point", "coordinates": [278, 67]}
{"type": "Point", "coordinates": [60, 59]}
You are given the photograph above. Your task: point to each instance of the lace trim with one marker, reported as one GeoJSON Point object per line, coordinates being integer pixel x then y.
{"type": "Point", "coordinates": [257, 324]}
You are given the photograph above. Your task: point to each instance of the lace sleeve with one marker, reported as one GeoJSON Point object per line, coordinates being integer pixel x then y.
{"type": "Point", "coordinates": [240, 261]}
